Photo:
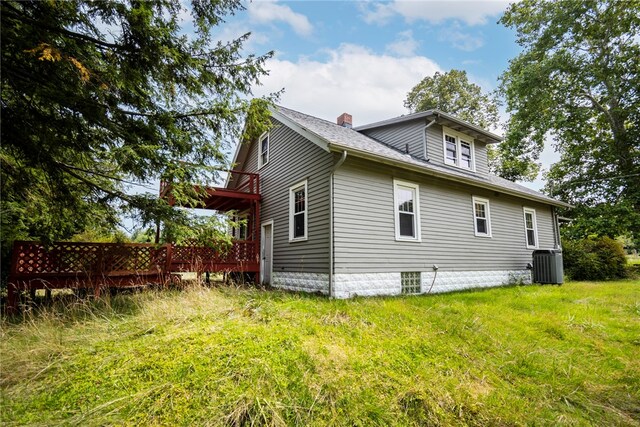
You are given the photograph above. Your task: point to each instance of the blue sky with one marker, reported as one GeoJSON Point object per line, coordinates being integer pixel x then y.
{"type": "Point", "coordinates": [363, 57]}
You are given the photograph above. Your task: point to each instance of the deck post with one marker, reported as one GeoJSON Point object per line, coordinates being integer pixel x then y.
{"type": "Point", "coordinates": [12, 298]}
{"type": "Point", "coordinates": [166, 274]}
{"type": "Point", "coordinates": [12, 287]}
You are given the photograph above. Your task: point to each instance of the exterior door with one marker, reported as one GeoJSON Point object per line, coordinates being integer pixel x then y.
{"type": "Point", "coordinates": [266, 253]}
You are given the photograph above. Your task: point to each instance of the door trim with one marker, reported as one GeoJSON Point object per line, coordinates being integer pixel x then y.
{"type": "Point", "coordinates": [262, 227]}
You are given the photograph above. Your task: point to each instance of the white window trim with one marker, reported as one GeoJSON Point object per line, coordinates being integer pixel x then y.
{"type": "Point", "coordinates": [532, 211]}
{"type": "Point", "coordinates": [306, 211]}
{"type": "Point", "coordinates": [484, 201]}
{"type": "Point", "coordinates": [396, 213]}
{"type": "Point", "coordinates": [268, 136]}
{"type": "Point", "coordinates": [458, 136]}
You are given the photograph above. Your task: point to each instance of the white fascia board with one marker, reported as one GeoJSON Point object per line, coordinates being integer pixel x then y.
{"type": "Point", "coordinates": [306, 133]}
{"type": "Point", "coordinates": [370, 156]}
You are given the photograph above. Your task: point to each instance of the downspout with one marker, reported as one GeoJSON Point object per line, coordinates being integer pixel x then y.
{"type": "Point", "coordinates": [424, 137]}
{"type": "Point", "coordinates": [556, 228]}
{"type": "Point", "coordinates": [335, 167]}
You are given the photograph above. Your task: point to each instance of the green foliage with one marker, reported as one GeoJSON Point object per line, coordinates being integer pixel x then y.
{"type": "Point", "coordinates": [102, 235]}
{"type": "Point", "coordinates": [603, 219]}
{"type": "Point", "coordinates": [210, 230]}
{"type": "Point", "coordinates": [577, 82]}
{"type": "Point", "coordinates": [527, 355]}
{"type": "Point", "coordinates": [98, 95]}
{"type": "Point", "coordinates": [594, 259]}
{"type": "Point", "coordinates": [453, 93]}
{"type": "Point", "coordinates": [144, 235]}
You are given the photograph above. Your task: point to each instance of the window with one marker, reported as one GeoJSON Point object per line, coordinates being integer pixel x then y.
{"type": "Point", "coordinates": [458, 149]}
{"type": "Point", "coordinates": [465, 155]}
{"type": "Point", "coordinates": [263, 147]}
{"type": "Point", "coordinates": [481, 217]}
{"type": "Point", "coordinates": [531, 228]}
{"type": "Point", "coordinates": [410, 282]}
{"type": "Point", "coordinates": [241, 231]}
{"type": "Point", "coordinates": [298, 212]}
{"type": "Point", "coordinates": [407, 210]}
{"type": "Point", "coordinates": [452, 150]}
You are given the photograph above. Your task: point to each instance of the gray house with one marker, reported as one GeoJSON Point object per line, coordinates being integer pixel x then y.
{"type": "Point", "coordinates": [405, 205]}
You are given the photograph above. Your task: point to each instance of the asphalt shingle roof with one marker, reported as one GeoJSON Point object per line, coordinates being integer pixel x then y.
{"type": "Point", "coordinates": [352, 140]}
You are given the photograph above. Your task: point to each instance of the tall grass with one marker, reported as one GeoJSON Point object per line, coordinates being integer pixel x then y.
{"type": "Point", "coordinates": [231, 356]}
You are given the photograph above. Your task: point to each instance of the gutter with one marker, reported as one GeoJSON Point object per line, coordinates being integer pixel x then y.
{"type": "Point", "coordinates": [407, 166]}
{"type": "Point", "coordinates": [331, 255]}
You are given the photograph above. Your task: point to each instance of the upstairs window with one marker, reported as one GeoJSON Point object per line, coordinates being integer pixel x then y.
{"type": "Point", "coordinates": [407, 210]}
{"type": "Point", "coordinates": [481, 217]}
{"type": "Point", "coordinates": [298, 212]}
{"type": "Point", "coordinates": [452, 150]}
{"type": "Point", "coordinates": [458, 149]}
{"type": "Point", "coordinates": [263, 150]}
{"type": "Point", "coordinates": [465, 155]}
{"type": "Point", "coordinates": [530, 228]}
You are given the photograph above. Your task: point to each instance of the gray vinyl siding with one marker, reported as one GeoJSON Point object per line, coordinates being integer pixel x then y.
{"type": "Point", "coordinates": [482, 163]}
{"type": "Point", "coordinates": [292, 159]}
{"type": "Point", "coordinates": [364, 225]}
{"type": "Point", "coordinates": [399, 135]}
{"type": "Point", "coordinates": [435, 147]}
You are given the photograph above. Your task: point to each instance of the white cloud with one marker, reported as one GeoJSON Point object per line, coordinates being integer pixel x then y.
{"type": "Point", "coordinates": [232, 30]}
{"type": "Point", "coordinates": [473, 12]}
{"type": "Point", "coordinates": [460, 40]}
{"type": "Point", "coordinates": [266, 11]}
{"type": "Point", "coordinates": [377, 13]}
{"type": "Point", "coordinates": [352, 79]}
{"type": "Point", "coordinates": [405, 45]}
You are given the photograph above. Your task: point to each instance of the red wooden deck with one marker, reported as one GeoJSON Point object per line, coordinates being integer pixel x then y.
{"type": "Point", "coordinates": [106, 265]}
{"type": "Point", "coordinates": [101, 266]}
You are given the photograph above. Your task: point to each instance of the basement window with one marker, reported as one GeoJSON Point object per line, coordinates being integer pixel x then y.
{"type": "Point", "coordinates": [410, 281]}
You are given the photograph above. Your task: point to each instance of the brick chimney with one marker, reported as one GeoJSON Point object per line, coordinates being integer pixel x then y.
{"type": "Point", "coordinates": [345, 120]}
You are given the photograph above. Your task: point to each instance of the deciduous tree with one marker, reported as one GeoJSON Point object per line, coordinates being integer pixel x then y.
{"type": "Point", "coordinates": [452, 92]}
{"type": "Point", "coordinates": [577, 82]}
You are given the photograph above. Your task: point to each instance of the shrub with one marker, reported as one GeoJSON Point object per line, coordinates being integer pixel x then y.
{"type": "Point", "coordinates": [599, 258]}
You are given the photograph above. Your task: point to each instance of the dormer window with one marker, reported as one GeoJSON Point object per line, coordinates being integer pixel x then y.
{"type": "Point", "coordinates": [458, 149]}
{"type": "Point", "coordinates": [465, 155]}
{"type": "Point", "coordinates": [452, 150]}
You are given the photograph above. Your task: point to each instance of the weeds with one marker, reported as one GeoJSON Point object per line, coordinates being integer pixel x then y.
{"type": "Point", "coordinates": [240, 356]}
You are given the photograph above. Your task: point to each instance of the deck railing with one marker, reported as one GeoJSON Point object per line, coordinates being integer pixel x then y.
{"type": "Point", "coordinates": [83, 259]}
{"type": "Point", "coordinates": [103, 265]}
{"type": "Point", "coordinates": [247, 182]}
{"type": "Point", "coordinates": [241, 255]}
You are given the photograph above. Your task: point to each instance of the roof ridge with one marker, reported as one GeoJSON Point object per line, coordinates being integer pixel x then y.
{"type": "Point", "coordinates": [309, 115]}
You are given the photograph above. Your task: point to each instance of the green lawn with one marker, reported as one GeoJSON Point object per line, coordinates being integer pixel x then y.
{"type": "Point", "coordinates": [543, 355]}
